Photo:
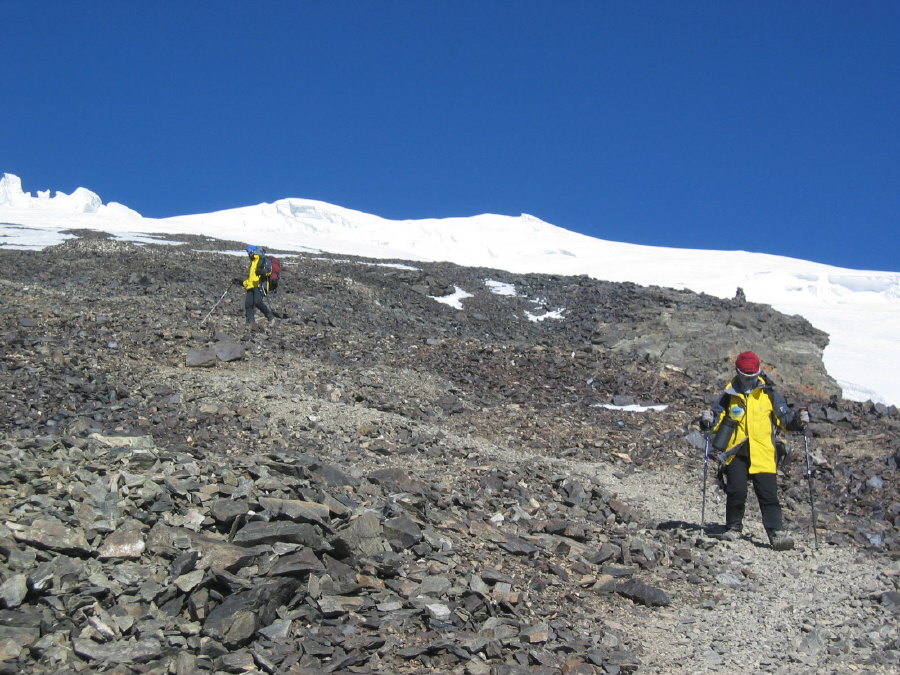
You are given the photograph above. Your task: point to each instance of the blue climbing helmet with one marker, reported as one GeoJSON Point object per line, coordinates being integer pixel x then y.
{"type": "Point", "coordinates": [253, 250]}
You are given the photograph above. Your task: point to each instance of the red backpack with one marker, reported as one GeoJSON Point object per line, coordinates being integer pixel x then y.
{"type": "Point", "coordinates": [272, 271]}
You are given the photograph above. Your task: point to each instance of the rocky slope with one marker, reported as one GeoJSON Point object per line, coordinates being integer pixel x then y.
{"type": "Point", "coordinates": [385, 483]}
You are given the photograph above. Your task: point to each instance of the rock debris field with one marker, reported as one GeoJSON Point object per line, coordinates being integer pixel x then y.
{"type": "Point", "coordinates": [382, 482]}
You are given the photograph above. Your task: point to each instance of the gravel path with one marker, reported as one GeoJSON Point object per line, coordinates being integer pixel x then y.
{"type": "Point", "coordinates": [752, 609]}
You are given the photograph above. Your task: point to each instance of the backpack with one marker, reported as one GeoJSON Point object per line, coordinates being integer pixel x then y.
{"type": "Point", "coordinates": [271, 269]}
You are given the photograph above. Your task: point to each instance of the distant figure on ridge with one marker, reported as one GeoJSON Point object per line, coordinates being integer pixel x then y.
{"type": "Point", "coordinates": [744, 422]}
{"type": "Point", "coordinates": [256, 284]}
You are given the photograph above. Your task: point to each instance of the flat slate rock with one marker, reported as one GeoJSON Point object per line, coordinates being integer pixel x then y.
{"type": "Point", "coordinates": [201, 358]}
{"type": "Point", "coordinates": [642, 593]}
{"type": "Point", "coordinates": [262, 532]}
{"type": "Point", "coordinates": [53, 535]}
{"type": "Point", "coordinates": [229, 350]}
{"type": "Point", "coordinates": [119, 651]}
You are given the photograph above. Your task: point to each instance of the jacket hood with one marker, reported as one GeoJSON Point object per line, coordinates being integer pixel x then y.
{"type": "Point", "coordinates": [762, 381]}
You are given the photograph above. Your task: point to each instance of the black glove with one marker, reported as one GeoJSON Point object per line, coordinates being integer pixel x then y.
{"type": "Point", "coordinates": [237, 282]}
{"type": "Point", "coordinates": [720, 477]}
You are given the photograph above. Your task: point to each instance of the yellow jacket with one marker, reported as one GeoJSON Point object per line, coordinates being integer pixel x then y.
{"type": "Point", "coordinates": [254, 279]}
{"type": "Point", "coordinates": [764, 411]}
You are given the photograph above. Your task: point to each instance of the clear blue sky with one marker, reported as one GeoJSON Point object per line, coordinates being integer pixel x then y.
{"type": "Point", "coordinates": [765, 126]}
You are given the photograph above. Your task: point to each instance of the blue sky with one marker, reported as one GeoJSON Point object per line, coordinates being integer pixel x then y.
{"type": "Point", "coordinates": [763, 126]}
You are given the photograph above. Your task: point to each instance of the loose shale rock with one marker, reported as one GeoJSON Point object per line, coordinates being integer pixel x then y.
{"type": "Point", "coordinates": [385, 484]}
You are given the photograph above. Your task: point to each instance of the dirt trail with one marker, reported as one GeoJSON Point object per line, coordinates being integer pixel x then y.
{"type": "Point", "coordinates": [801, 611]}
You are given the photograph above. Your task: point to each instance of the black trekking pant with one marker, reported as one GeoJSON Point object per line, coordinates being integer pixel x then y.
{"type": "Point", "coordinates": [255, 298]}
{"type": "Point", "coordinates": [765, 485]}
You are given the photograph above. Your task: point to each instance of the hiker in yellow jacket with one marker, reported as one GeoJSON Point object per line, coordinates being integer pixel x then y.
{"type": "Point", "coordinates": [255, 283]}
{"type": "Point", "coordinates": [744, 422]}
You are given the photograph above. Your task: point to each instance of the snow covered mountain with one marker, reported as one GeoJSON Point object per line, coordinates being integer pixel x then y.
{"type": "Point", "coordinates": [860, 310]}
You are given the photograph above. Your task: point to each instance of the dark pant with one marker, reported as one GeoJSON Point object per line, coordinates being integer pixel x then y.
{"type": "Point", "coordinates": [765, 485]}
{"type": "Point", "coordinates": [256, 298]}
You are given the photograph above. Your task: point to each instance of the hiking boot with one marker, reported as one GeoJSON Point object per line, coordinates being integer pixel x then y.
{"type": "Point", "coordinates": [727, 534]}
{"type": "Point", "coordinates": [782, 542]}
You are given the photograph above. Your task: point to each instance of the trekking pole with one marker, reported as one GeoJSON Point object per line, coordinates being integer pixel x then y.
{"type": "Point", "coordinates": [809, 478]}
{"type": "Point", "coordinates": [705, 470]}
{"type": "Point", "coordinates": [215, 305]}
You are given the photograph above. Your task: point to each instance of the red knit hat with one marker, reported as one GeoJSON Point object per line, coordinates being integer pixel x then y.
{"type": "Point", "coordinates": [747, 363]}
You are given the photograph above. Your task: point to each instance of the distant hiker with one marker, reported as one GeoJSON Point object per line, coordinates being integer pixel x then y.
{"type": "Point", "coordinates": [744, 422]}
{"type": "Point", "coordinates": [256, 283]}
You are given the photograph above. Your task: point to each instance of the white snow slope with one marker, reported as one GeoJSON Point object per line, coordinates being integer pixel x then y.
{"type": "Point", "coordinates": [860, 310]}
